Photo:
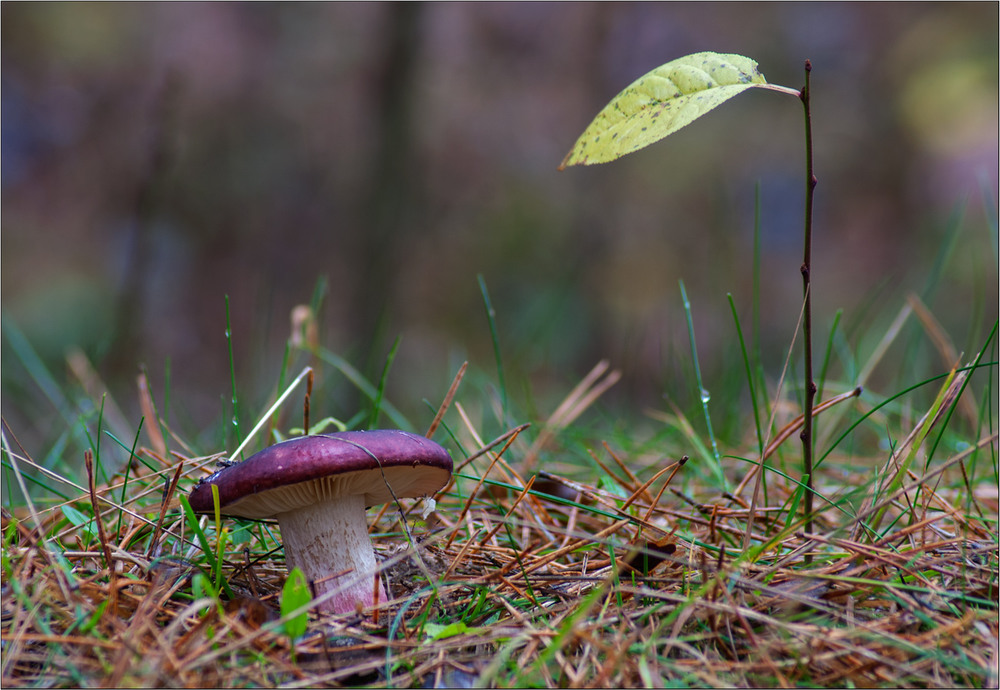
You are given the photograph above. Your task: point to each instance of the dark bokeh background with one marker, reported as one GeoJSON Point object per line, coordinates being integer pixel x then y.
{"type": "Point", "coordinates": [157, 157]}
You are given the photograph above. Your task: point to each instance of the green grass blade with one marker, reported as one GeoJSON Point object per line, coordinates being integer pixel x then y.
{"type": "Point", "coordinates": [232, 373]}
{"type": "Point", "coordinates": [491, 318]}
{"type": "Point", "coordinates": [749, 373]}
{"type": "Point", "coordinates": [965, 383]}
{"type": "Point", "coordinates": [951, 233]}
{"type": "Point", "coordinates": [214, 563]}
{"type": "Point", "coordinates": [38, 372]}
{"type": "Point", "coordinates": [827, 355]}
{"type": "Point", "coordinates": [365, 386]}
{"type": "Point", "coordinates": [379, 392]}
{"type": "Point", "coordinates": [128, 466]}
{"type": "Point", "coordinates": [703, 393]}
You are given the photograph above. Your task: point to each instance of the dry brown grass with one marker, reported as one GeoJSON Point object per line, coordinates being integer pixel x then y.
{"type": "Point", "coordinates": [648, 577]}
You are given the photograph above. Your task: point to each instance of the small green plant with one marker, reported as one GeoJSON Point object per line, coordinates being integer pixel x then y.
{"type": "Point", "coordinates": [295, 595]}
{"type": "Point", "coordinates": [663, 101]}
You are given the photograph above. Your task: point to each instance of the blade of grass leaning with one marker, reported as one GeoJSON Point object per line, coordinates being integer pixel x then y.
{"type": "Point", "coordinates": [952, 232]}
{"type": "Point", "coordinates": [942, 343]}
{"type": "Point", "coordinates": [380, 391]}
{"type": "Point", "coordinates": [915, 336]}
{"type": "Point", "coordinates": [953, 403]}
{"type": "Point", "coordinates": [750, 379]}
{"type": "Point", "coordinates": [232, 374]}
{"type": "Point", "coordinates": [214, 565]}
{"type": "Point", "coordinates": [79, 365]}
{"type": "Point", "coordinates": [677, 419]}
{"type": "Point", "coordinates": [128, 467]}
{"type": "Point", "coordinates": [33, 480]}
{"type": "Point", "coordinates": [221, 537]}
{"type": "Point", "coordinates": [828, 354]}
{"type": "Point", "coordinates": [703, 394]}
{"type": "Point", "coordinates": [757, 473]}
{"type": "Point", "coordinates": [491, 317]}
{"type": "Point", "coordinates": [887, 403]}
{"type": "Point", "coordinates": [796, 500]}
{"type": "Point", "coordinates": [945, 398]}
{"type": "Point", "coordinates": [877, 355]}
{"type": "Point", "coordinates": [363, 385]}
{"type": "Point", "coordinates": [39, 373]}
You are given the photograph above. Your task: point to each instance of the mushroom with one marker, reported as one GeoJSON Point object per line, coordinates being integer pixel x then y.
{"type": "Point", "coordinates": [318, 488]}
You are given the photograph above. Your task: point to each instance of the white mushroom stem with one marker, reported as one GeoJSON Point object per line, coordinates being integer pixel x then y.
{"type": "Point", "coordinates": [329, 542]}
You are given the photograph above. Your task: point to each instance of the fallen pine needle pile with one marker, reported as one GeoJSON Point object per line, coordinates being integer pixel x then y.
{"type": "Point", "coordinates": [522, 573]}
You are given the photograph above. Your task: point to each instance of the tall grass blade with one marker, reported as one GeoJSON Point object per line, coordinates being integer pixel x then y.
{"type": "Point", "coordinates": [491, 318]}
{"type": "Point", "coordinates": [214, 560]}
{"type": "Point", "coordinates": [232, 373]}
{"type": "Point", "coordinates": [128, 467]}
{"type": "Point", "coordinates": [947, 396]}
{"type": "Point", "coordinates": [966, 379]}
{"type": "Point", "coordinates": [380, 391]}
{"type": "Point", "coordinates": [365, 386]}
{"type": "Point", "coordinates": [750, 377]}
{"type": "Point", "coordinates": [703, 393]}
{"type": "Point", "coordinates": [951, 232]}
{"type": "Point", "coordinates": [828, 354]}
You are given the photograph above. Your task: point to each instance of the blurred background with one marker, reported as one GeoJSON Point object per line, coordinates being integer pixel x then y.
{"type": "Point", "coordinates": [158, 157]}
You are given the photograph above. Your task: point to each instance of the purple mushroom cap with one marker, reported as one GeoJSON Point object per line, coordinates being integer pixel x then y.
{"type": "Point", "coordinates": [378, 464]}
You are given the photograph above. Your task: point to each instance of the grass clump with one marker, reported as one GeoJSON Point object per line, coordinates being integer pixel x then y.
{"type": "Point", "coordinates": [555, 558]}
